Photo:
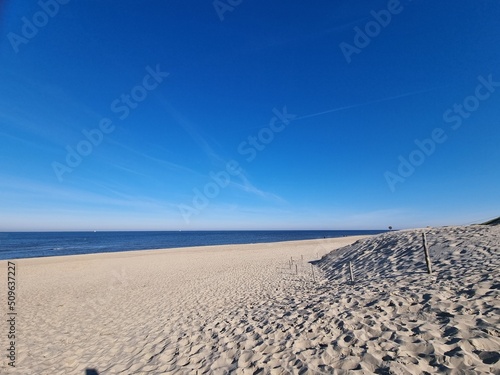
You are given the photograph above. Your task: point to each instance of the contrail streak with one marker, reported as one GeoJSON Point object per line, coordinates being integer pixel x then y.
{"type": "Point", "coordinates": [367, 103]}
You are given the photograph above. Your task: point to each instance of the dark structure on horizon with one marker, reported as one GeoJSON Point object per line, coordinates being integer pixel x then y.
{"type": "Point", "coordinates": [493, 221]}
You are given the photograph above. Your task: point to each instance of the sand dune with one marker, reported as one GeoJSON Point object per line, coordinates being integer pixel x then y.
{"type": "Point", "coordinates": [410, 321]}
{"type": "Point", "coordinates": [247, 309]}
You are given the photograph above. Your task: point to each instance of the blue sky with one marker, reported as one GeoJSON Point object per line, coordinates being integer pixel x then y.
{"type": "Point", "coordinates": [301, 133]}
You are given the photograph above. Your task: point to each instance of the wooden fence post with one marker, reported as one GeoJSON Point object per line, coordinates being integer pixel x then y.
{"type": "Point", "coordinates": [426, 251]}
{"type": "Point", "coordinates": [350, 271]}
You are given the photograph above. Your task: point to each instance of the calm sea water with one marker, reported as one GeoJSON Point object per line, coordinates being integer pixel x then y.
{"type": "Point", "coordinates": [17, 245]}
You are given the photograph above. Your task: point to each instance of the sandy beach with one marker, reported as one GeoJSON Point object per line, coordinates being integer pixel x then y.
{"type": "Point", "coordinates": [278, 308]}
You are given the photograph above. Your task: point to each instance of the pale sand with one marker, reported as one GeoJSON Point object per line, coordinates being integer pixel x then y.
{"type": "Point", "coordinates": [242, 309]}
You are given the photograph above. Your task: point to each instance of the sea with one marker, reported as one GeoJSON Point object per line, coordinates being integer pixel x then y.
{"type": "Point", "coordinates": [17, 245]}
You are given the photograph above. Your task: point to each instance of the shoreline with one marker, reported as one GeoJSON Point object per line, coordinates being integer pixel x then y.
{"type": "Point", "coordinates": [185, 248]}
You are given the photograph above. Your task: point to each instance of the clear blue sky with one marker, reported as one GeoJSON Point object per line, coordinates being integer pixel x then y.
{"type": "Point", "coordinates": [313, 135]}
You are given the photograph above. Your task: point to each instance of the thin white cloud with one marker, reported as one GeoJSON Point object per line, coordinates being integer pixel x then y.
{"type": "Point", "coordinates": [170, 165]}
{"type": "Point", "coordinates": [16, 189]}
{"type": "Point", "coordinates": [192, 130]}
{"type": "Point", "coordinates": [217, 159]}
{"type": "Point", "coordinates": [248, 187]}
